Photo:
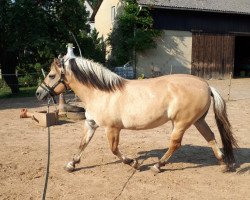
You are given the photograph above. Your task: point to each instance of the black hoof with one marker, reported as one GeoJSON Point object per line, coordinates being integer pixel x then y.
{"type": "Point", "coordinates": [128, 161]}
{"type": "Point", "coordinates": [135, 164]}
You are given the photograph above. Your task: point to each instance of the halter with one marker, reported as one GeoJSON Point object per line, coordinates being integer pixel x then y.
{"type": "Point", "coordinates": [51, 90]}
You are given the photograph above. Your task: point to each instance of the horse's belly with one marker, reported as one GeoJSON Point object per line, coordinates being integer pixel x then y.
{"type": "Point", "coordinates": [144, 122]}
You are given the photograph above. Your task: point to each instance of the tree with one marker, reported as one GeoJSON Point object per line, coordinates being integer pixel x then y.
{"type": "Point", "coordinates": [7, 54]}
{"type": "Point", "coordinates": [133, 32]}
{"type": "Point", "coordinates": [34, 32]}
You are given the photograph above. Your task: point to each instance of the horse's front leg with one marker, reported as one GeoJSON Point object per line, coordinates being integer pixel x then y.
{"type": "Point", "coordinates": [89, 129]}
{"type": "Point", "coordinates": [113, 138]}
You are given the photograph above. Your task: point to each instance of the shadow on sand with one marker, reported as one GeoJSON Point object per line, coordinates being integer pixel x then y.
{"type": "Point", "coordinates": [93, 166]}
{"type": "Point", "coordinates": [199, 155]}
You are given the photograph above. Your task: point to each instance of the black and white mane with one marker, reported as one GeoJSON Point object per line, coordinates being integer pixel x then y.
{"type": "Point", "coordinates": [95, 75]}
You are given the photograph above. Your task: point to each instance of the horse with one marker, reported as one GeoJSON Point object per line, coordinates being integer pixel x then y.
{"type": "Point", "coordinates": [116, 103]}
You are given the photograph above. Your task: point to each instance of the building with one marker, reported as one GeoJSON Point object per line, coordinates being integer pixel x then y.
{"type": "Point", "coordinates": [207, 38]}
{"type": "Point", "coordinates": [104, 16]}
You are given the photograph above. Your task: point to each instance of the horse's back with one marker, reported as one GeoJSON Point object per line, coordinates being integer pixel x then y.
{"type": "Point", "coordinates": [183, 83]}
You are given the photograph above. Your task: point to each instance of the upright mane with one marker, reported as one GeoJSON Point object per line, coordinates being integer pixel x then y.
{"type": "Point", "coordinates": [94, 74]}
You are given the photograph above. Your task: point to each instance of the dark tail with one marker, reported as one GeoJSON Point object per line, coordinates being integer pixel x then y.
{"type": "Point", "coordinates": [224, 127]}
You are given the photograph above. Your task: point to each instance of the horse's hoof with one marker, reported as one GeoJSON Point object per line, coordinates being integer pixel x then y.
{"type": "Point", "coordinates": [225, 168]}
{"type": "Point", "coordinates": [135, 164]}
{"type": "Point", "coordinates": [233, 167]}
{"type": "Point", "coordinates": [155, 169]}
{"type": "Point", "coordinates": [70, 167]}
{"type": "Point", "coordinates": [128, 161]}
{"type": "Point", "coordinates": [228, 168]}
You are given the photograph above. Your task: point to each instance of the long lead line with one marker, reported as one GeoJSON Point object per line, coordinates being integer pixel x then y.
{"type": "Point", "coordinates": [48, 160]}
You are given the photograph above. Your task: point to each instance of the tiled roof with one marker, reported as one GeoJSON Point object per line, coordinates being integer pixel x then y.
{"type": "Point", "coordinates": [223, 6]}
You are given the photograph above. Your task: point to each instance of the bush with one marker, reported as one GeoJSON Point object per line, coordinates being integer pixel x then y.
{"type": "Point", "coordinates": [28, 80]}
{"type": "Point", "coordinates": [132, 32]}
{"type": "Point", "coordinates": [2, 83]}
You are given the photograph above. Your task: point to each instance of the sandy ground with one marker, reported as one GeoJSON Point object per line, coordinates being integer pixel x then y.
{"type": "Point", "coordinates": [192, 173]}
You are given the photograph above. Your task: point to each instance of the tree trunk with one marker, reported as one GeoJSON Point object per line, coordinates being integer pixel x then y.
{"type": "Point", "coordinates": [9, 63]}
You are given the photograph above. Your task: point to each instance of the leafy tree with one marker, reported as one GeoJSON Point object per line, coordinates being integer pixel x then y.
{"type": "Point", "coordinates": [5, 52]}
{"type": "Point", "coordinates": [93, 47]}
{"type": "Point", "coordinates": [133, 32]}
{"type": "Point", "coordinates": [34, 32]}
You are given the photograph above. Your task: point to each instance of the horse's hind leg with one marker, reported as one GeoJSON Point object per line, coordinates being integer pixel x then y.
{"type": "Point", "coordinates": [89, 130]}
{"type": "Point", "coordinates": [206, 132]}
{"type": "Point", "coordinates": [175, 143]}
{"type": "Point", "coordinates": [113, 138]}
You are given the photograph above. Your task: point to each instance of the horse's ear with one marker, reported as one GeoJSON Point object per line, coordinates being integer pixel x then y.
{"type": "Point", "coordinates": [57, 62]}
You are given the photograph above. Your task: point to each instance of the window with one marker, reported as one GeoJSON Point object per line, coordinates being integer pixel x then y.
{"type": "Point", "coordinates": [113, 14]}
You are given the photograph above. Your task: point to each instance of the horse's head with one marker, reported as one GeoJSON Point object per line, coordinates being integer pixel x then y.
{"type": "Point", "coordinates": [54, 83]}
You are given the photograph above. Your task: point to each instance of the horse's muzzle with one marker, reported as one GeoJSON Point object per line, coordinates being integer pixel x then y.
{"type": "Point", "coordinates": [41, 94]}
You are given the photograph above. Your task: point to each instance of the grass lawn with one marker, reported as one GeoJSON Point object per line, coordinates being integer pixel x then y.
{"type": "Point", "coordinates": [5, 92]}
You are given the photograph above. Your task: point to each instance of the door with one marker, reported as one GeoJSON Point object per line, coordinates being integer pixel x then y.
{"type": "Point", "coordinates": [212, 55]}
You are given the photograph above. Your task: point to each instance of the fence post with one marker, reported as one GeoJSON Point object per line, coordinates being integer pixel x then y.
{"type": "Point", "coordinates": [229, 89]}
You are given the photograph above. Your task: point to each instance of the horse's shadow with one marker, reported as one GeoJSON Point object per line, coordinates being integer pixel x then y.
{"type": "Point", "coordinates": [199, 155]}
{"type": "Point", "coordinates": [94, 166]}
{"type": "Point", "coordinates": [64, 121]}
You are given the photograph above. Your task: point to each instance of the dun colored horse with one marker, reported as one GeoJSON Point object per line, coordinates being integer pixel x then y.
{"type": "Point", "coordinates": [116, 103]}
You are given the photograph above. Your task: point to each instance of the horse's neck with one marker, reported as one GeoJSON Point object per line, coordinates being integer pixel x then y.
{"type": "Point", "coordinates": [85, 93]}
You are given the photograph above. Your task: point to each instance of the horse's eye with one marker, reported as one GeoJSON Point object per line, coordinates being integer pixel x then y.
{"type": "Point", "coordinates": [52, 76]}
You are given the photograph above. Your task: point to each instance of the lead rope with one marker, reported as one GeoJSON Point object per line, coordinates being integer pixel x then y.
{"type": "Point", "coordinates": [48, 160]}
{"type": "Point", "coordinates": [48, 104]}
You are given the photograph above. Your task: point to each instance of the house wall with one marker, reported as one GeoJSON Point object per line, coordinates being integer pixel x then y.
{"type": "Point", "coordinates": [213, 55]}
{"type": "Point", "coordinates": [174, 49]}
{"type": "Point", "coordinates": [103, 21]}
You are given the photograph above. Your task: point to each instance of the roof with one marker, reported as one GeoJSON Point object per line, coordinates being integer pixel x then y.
{"type": "Point", "coordinates": [221, 6]}
{"type": "Point", "coordinates": [95, 10]}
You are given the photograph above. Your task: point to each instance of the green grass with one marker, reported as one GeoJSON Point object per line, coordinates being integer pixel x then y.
{"type": "Point", "coordinates": [5, 92]}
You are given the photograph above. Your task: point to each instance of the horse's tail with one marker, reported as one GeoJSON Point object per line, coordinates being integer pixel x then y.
{"type": "Point", "coordinates": [224, 126]}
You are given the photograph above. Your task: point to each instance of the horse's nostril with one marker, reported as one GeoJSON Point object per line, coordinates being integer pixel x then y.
{"type": "Point", "coordinates": [37, 94]}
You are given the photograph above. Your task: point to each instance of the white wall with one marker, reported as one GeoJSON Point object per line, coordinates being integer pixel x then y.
{"type": "Point", "coordinates": [174, 49]}
{"type": "Point", "coordinates": [103, 20]}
